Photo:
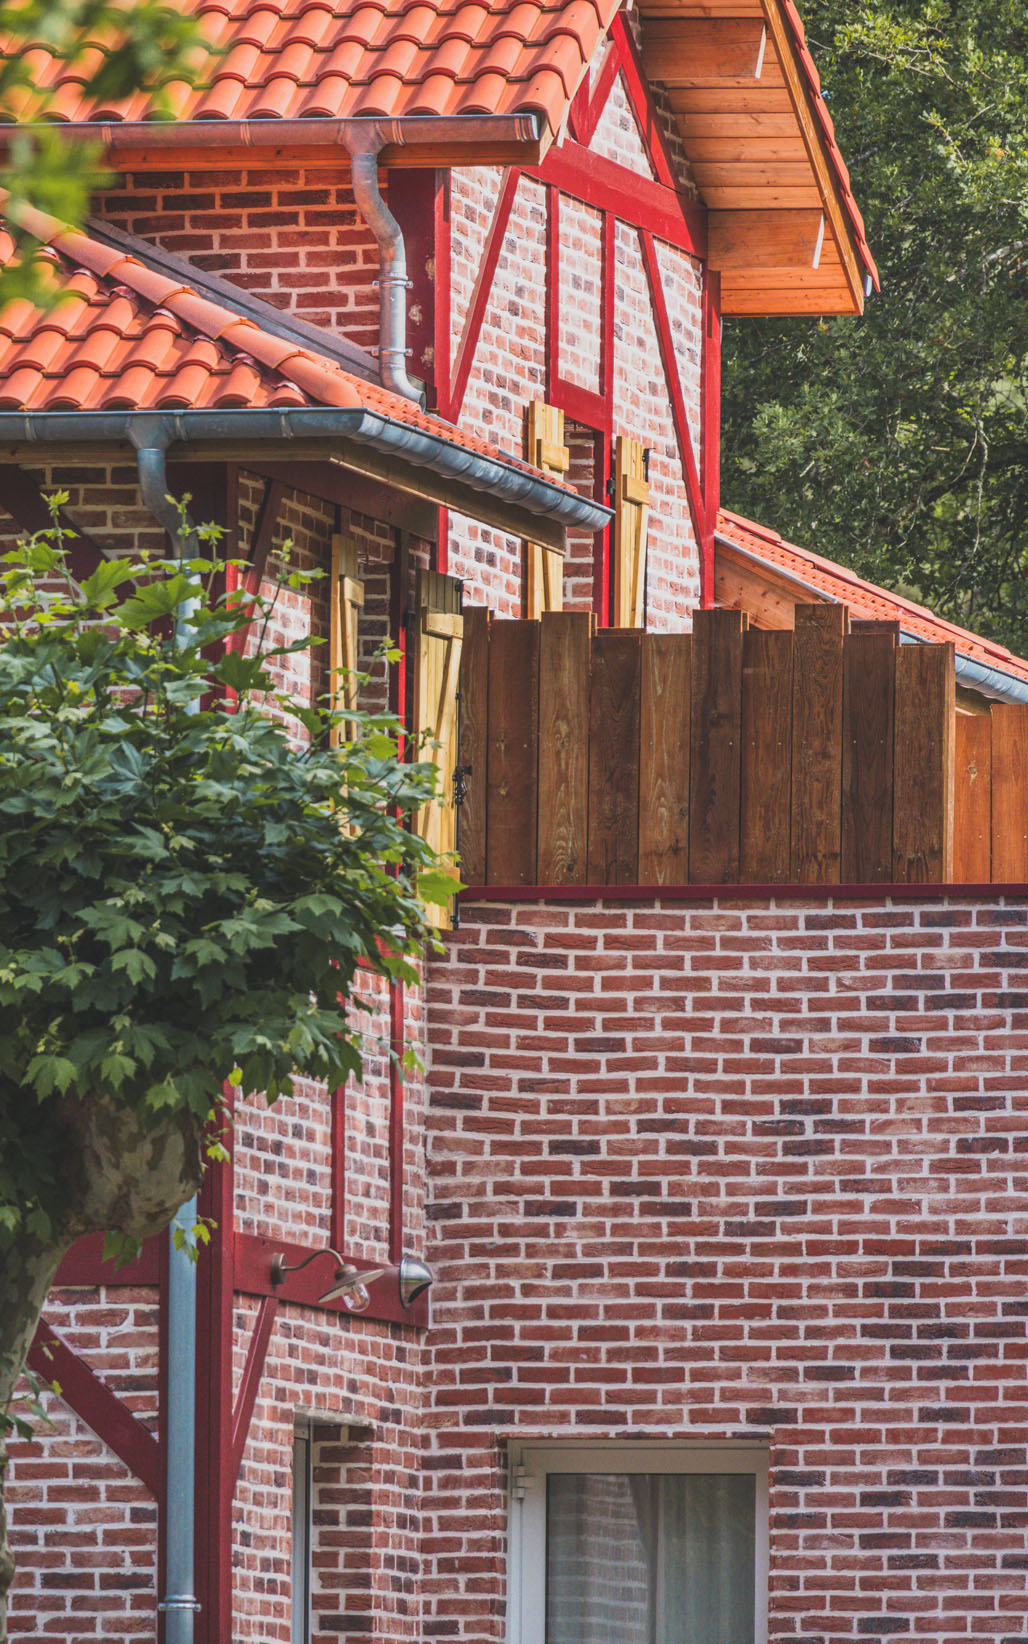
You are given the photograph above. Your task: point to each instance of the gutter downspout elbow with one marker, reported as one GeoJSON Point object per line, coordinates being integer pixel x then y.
{"type": "Point", "coordinates": [393, 283]}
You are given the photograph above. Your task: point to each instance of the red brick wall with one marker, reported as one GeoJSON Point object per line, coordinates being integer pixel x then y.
{"type": "Point", "coordinates": [293, 239]}
{"type": "Point", "coordinates": [723, 1169]}
{"type": "Point", "coordinates": [83, 1530]}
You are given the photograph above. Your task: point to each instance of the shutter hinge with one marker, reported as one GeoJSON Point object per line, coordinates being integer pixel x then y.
{"type": "Point", "coordinates": [520, 1482]}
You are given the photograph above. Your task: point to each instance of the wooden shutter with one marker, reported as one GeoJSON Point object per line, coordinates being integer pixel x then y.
{"type": "Point", "coordinates": [544, 448]}
{"type": "Point", "coordinates": [347, 600]}
{"type": "Point", "coordinates": [631, 507]}
{"type": "Point", "coordinates": [440, 637]}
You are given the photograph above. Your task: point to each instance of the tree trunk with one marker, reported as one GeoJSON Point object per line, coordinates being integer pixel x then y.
{"type": "Point", "coordinates": [119, 1175]}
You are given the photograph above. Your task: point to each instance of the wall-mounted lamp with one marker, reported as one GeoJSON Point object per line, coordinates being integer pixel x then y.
{"type": "Point", "coordinates": [415, 1277]}
{"type": "Point", "coordinates": [349, 1284]}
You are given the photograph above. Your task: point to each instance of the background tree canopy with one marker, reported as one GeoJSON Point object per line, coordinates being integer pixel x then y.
{"type": "Point", "coordinates": [899, 443]}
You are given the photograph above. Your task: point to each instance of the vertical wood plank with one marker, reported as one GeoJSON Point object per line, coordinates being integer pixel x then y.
{"type": "Point", "coordinates": [565, 666]}
{"type": "Point", "coordinates": [925, 735]}
{"type": "Point", "coordinates": [715, 746]}
{"type": "Point", "coordinates": [513, 756]}
{"type": "Point", "coordinates": [664, 735]}
{"type": "Point", "coordinates": [869, 691]}
{"type": "Point", "coordinates": [474, 743]}
{"type": "Point", "coordinates": [766, 771]}
{"type": "Point", "coordinates": [817, 744]}
{"type": "Point", "coordinates": [614, 758]}
{"type": "Point", "coordinates": [1009, 793]}
{"type": "Point", "coordinates": [972, 800]}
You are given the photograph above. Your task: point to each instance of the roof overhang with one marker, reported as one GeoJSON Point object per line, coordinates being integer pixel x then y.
{"type": "Point", "coordinates": [784, 232]}
{"type": "Point", "coordinates": [769, 593]}
{"type": "Point", "coordinates": [411, 142]}
{"type": "Point", "coordinates": [485, 487]}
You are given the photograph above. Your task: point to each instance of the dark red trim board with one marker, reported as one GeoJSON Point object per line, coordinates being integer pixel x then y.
{"type": "Point", "coordinates": [638, 201]}
{"type": "Point", "coordinates": [679, 414]}
{"type": "Point", "coordinates": [745, 893]}
{"type": "Point", "coordinates": [465, 356]}
{"type": "Point", "coordinates": [84, 1265]}
{"type": "Point", "coordinates": [242, 1415]}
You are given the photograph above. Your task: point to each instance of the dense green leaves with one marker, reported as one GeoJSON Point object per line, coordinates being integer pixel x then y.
{"type": "Point", "coordinates": [899, 443]}
{"type": "Point", "coordinates": [185, 894]}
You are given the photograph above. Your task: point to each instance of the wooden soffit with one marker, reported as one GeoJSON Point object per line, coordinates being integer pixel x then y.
{"type": "Point", "coordinates": [784, 231]}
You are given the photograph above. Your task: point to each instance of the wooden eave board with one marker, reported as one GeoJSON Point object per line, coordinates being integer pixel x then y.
{"type": "Point", "coordinates": [755, 144]}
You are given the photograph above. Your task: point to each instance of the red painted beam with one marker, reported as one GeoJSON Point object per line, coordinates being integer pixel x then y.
{"type": "Point", "coordinates": [396, 1121]}
{"type": "Point", "coordinates": [590, 101]}
{"type": "Point", "coordinates": [253, 1255]}
{"type": "Point", "coordinates": [744, 893]}
{"type": "Point", "coordinates": [673, 382]}
{"type": "Point", "coordinates": [246, 1398]}
{"type": "Point", "coordinates": [465, 356]}
{"type": "Point", "coordinates": [84, 1265]}
{"type": "Point", "coordinates": [214, 1483]}
{"type": "Point", "coordinates": [638, 201]}
{"type": "Point", "coordinates": [640, 97]}
{"type": "Point", "coordinates": [710, 429]}
{"type": "Point", "coordinates": [101, 1410]}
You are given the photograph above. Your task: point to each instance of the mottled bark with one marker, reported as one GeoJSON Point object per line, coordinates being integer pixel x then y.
{"type": "Point", "coordinates": [116, 1174]}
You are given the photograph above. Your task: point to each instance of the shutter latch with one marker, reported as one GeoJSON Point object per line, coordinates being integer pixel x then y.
{"type": "Point", "coordinates": [460, 786]}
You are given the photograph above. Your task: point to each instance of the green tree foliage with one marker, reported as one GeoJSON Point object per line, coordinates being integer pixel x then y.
{"type": "Point", "coordinates": [187, 897]}
{"type": "Point", "coordinates": [899, 443]}
{"type": "Point", "coordinates": [113, 49]}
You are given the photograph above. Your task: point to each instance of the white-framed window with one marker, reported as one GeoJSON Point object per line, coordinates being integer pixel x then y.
{"type": "Point", "coordinates": [638, 1542]}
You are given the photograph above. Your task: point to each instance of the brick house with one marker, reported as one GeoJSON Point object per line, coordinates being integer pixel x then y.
{"type": "Point", "coordinates": [719, 1155]}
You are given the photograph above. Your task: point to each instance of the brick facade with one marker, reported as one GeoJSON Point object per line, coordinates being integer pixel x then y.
{"type": "Point", "coordinates": [726, 1169]}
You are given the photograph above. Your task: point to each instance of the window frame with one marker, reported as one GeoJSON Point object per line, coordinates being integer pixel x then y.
{"type": "Point", "coordinates": [301, 1553]}
{"type": "Point", "coordinates": [531, 1461]}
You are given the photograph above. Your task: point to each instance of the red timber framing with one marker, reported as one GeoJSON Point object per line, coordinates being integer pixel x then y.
{"type": "Point", "coordinates": [657, 210]}
{"type": "Point", "coordinates": [52, 1360]}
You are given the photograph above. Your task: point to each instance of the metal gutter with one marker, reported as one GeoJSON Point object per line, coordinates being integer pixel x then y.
{"type": "Point", "coordinates": [393, 284]}
{"type": "Point", "coordinates": [318, 130]}
{"type": "Point", "coordinates": [973, 675]}
{"type": "Point", "coordinates": [493, 478]}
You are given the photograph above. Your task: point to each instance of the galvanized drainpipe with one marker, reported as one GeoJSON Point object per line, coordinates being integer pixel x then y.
{"type": "Point", "coordinates": [179, 1603]}
{"type": "Point", "coordinates": [393, 283]}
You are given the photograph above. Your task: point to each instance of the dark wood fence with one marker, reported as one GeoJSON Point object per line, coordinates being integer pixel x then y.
{"type": "Point", "coordinates": [730, 756]}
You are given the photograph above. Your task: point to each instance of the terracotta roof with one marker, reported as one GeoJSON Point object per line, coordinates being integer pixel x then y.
{"type": "Point", "coordinates": [125, 336]}
{"type": "Point", "coordinates": [865, 599]}
{"type": "Point", "coordinates": [292, 59]}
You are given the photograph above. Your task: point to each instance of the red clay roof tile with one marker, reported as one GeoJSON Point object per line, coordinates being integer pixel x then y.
{"type": "Point", "coordinates": [130, 337]}
{"type": "Point", "coordinates": [865, 599]}
{"type": "Point", "coordinates": [285, 58]}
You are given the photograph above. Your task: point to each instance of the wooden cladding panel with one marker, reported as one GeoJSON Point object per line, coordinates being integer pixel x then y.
{"type": "Point", "coordinates": [613, 855]}
{"type": "Point", "coordinates": [817, 744]}
{"type": "Point", "coordinates": [620, 757]}
{"type": "Point", "coordinates": [1009, 794]}
{"type": "Point", "coordinates": [565, 671]}
{"type": "Point", "coordinates": [869, 690]}
{"type": "Point", "coordinates": [766, 772]}
{"type": "Point", "coordinates": [664, 760]}
{"type": "Point", "coordinates": [972, 800]}
{"type": "Point", "coordinates": [715, 763]}
{"type": "Point", "coordinates": [512, 778]}
{"type": "Point", "coordinates": [922, 826]}
{"type": "Point", "coordinates": [474, 743]}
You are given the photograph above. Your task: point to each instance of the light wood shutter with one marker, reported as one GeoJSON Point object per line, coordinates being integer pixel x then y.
{"type": "Point", "coordinates": [440, 637]}
{"type": "Point", "coordinates": [631, 508]}
{"type": "Point", "coordinates": [347, 601]}
{"type": "Point", "coordinates": [544, 448]}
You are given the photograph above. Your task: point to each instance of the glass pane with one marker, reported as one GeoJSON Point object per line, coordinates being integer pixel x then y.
{"type": "Point", "coordinates": [663, 1559]}
{"type": "Point", "coordinates": [600, 1563]}
{"type": "Point", "coordinates": [707, 1552]}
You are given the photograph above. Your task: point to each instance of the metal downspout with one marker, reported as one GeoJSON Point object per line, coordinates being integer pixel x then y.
{"type": "Point", "coordinates": [393, 283]}
{"type": "Point", "coordinates": [179, 1603]}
